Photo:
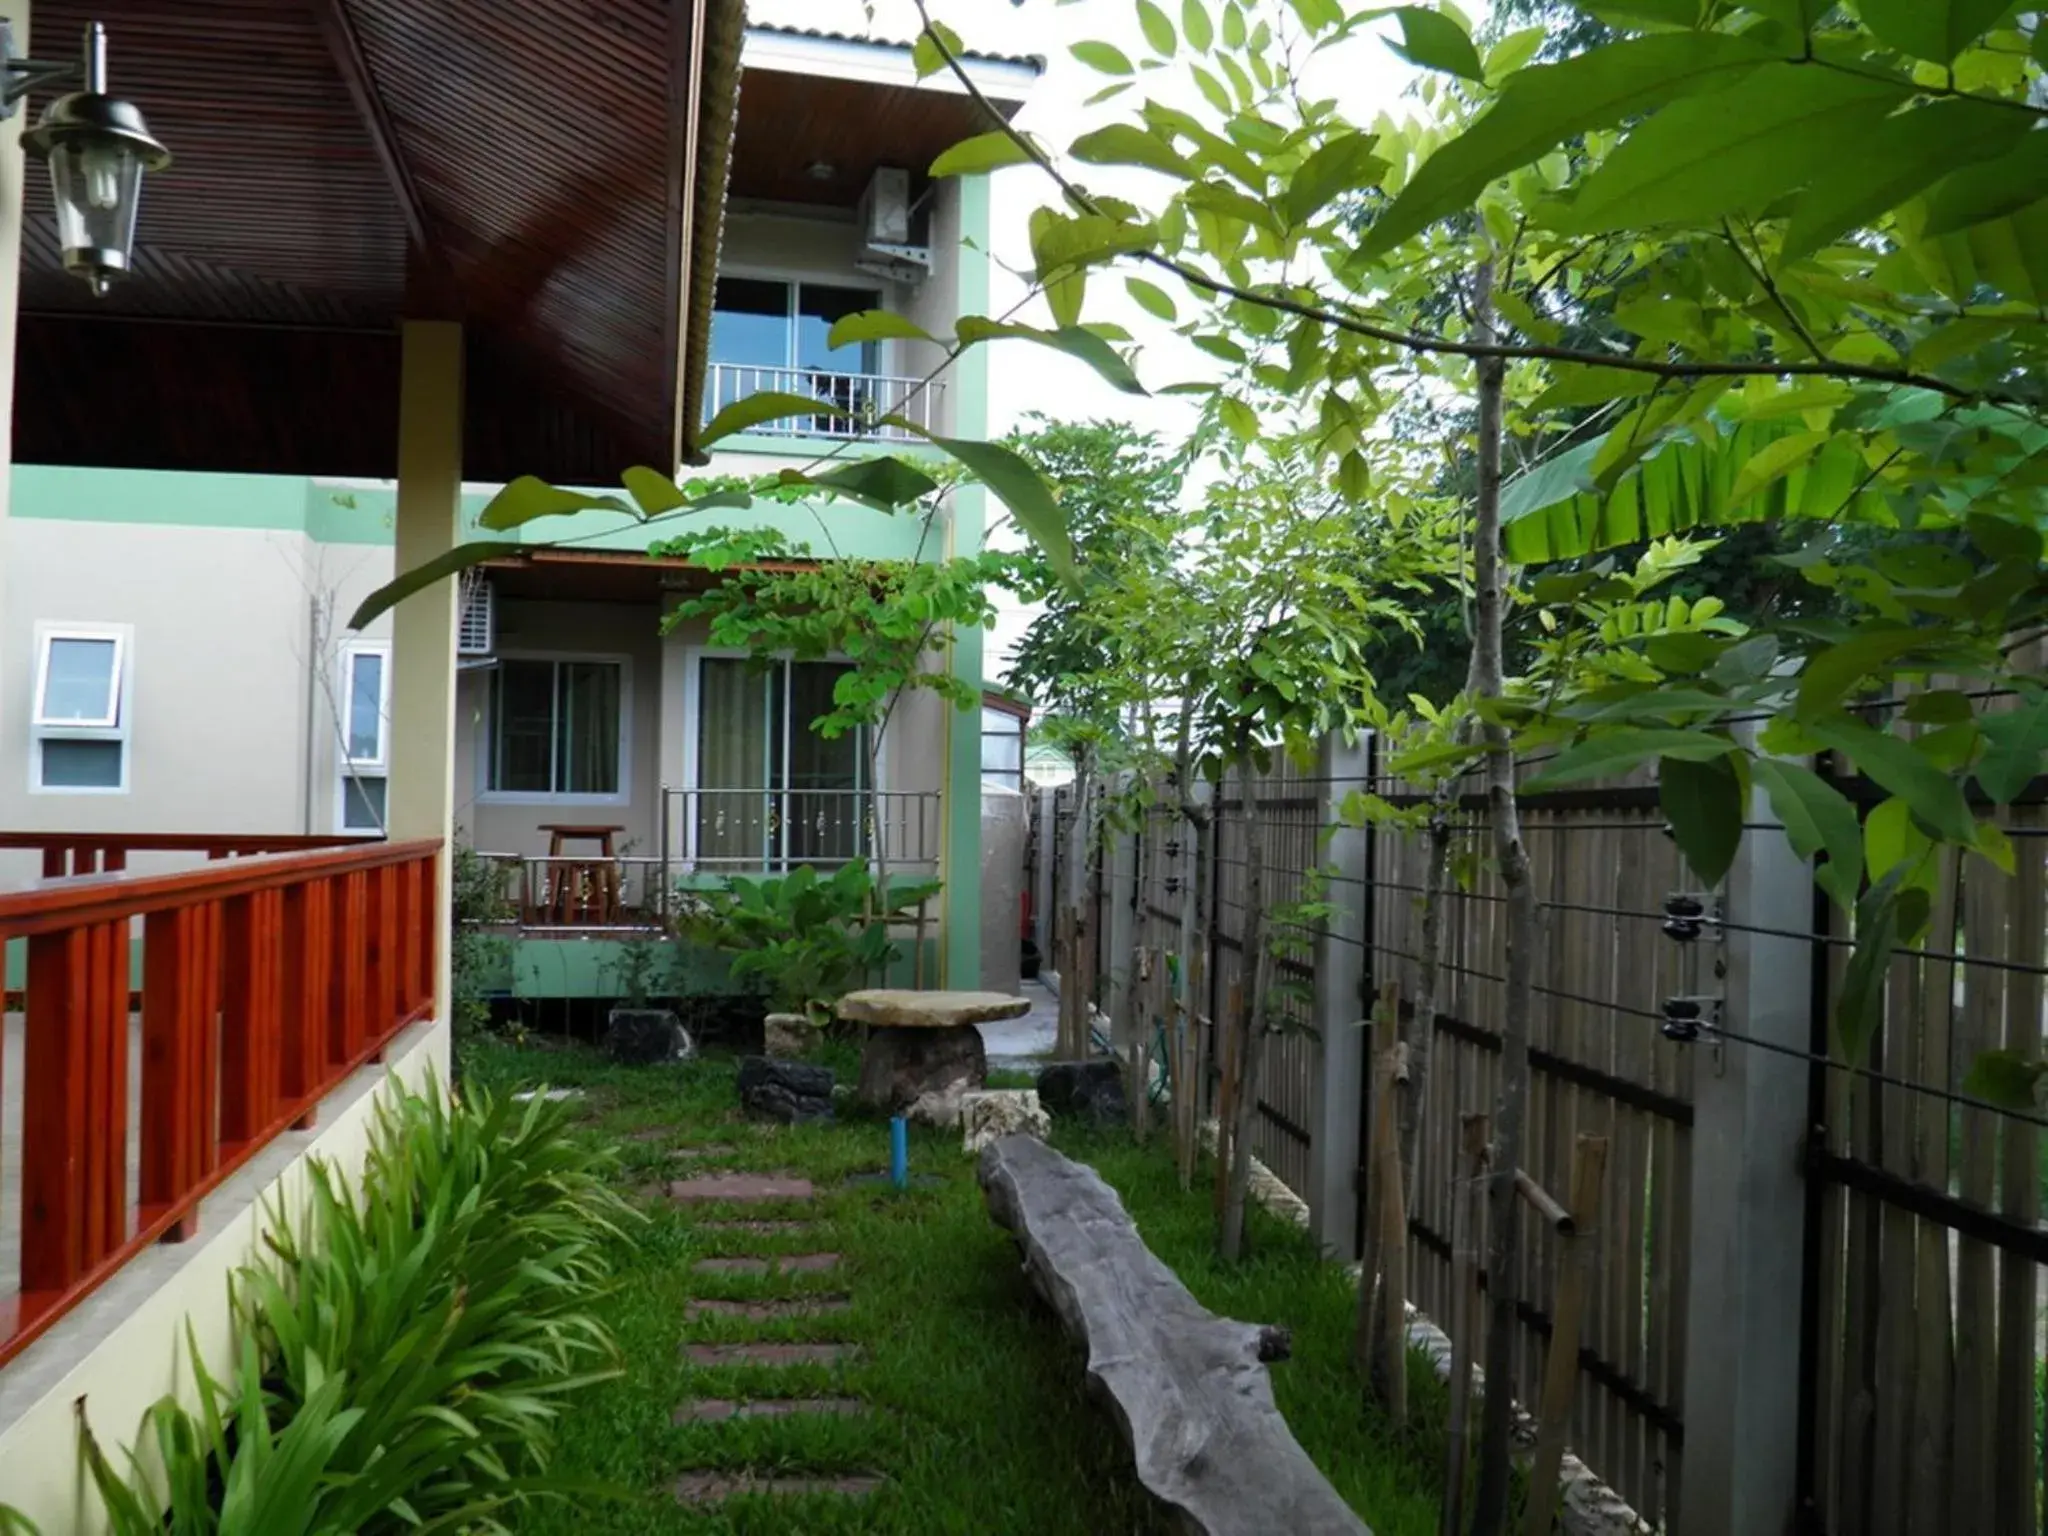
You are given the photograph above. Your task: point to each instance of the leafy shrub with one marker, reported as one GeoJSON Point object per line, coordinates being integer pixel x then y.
{"type": "Point", "coordinates": [477, 898]}
{"type": "Point", "coordinates": [403, 1358]}
{"type": "Point", "coordinates": [802, 939]}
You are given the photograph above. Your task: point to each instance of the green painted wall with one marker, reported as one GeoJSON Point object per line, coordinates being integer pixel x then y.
{"type": "Point", "coordinates": [556, 968]}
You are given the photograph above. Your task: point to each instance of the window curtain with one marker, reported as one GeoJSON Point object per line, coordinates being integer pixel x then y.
{"type": "Point", "coordinates": [588, 739]}
{"type": "Point", "coordinates": [826, 817]}
{"type": "Point", "coordinates": [732, 762]}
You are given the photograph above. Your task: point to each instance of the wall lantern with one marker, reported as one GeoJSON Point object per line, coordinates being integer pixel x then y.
{"type": "Point", "coordinates": [98, 147]}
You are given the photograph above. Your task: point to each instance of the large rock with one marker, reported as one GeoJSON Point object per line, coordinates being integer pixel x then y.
{"type": "Point", "coordinates": [900, 1066]}
{"type": "Point", "coordinates": [999, 1112]}
{"type": "Point", "coordinates": [789, 1091]}
{"type": "Point", "coordinates": [905, 1009]}
{"type": "Point", "coordinates": [787, 1034]}
{"type": "Point", "coordinates": [641, 1037]}
{"type": "Point", "coordinates": [1085, 1090]}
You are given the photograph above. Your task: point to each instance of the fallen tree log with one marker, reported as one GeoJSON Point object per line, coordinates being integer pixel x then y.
{"type": "Point", "coordinates": [1189, 1390]}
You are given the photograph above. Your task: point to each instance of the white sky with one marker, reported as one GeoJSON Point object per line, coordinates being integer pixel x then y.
{"type": "Point", "coordinates": [1363, 74]}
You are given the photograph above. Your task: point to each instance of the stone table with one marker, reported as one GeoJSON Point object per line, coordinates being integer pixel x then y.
{"type": "Point", "coordinates": [923, 1050]}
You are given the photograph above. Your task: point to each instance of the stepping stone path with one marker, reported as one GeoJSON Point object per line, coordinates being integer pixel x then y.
{"type": "Point", "coordinates": [714, 1487]}
{"type": "Point", "coordinates": [740, 1187]}
{"type": "Point", "coordinates": [713, 1410]}
{"type": "Point", "coordinates": [789, 1264]}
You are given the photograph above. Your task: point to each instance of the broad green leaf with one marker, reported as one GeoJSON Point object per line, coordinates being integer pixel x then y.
{"type": "Point", "coordinates": [1151, 298]}
{"type": "Point", "coordinates": [873, 325]}
{"type": "Point", "coordinates": [1663, 13]}
{"type": "Point", "coordinates": [1558, 478]}
{"type": "Point", "coordinates": [1239, 418]}
{"type": "Point", "coordinates": [1158, 30]}
{"type": "Point", "coordinates": [1996, 847]}
{"type": "Point", "coordinates": [654, 492]}
{"type": "Point", "coordinates": [1774, 461]}
{"type": "Point", "coordinates": [1541, 107]}
{"type": "Point", "coordinates": [926, 55]}
{"type": "Point", "coordinates": [1076, 341]}
{"type": "Point", "coordinates": [882, 481]}
{"type": "Point", "coordinates": [1020, 488]}
{"type": "Point", "coordinates": [1900, 769]}
{"type": "Point", "coordinates": [983, 152]}
{"type": "Point", "coordinates": [1900, 158]}
{"type": "Point", "coordinates": [1820, 823]}
{"type": "Point", "coordinates": [1103, 58]}
{"type": "Point", "coordinates": [2007, 1079]}
{"type": "Point", "coordinates": [528, 498]}
{"type": "Point", "coordinates": [1614, 752]}
{"type": "Point", "coordinates": [1832, 673]}
{"type": "Point", "coordinates": [1588, 384]}
{"type": "Point", "coordinates": [1060, 241]}
{"type": "Point", "coordinates": [1128, 144]}
{"type": "Point", "coordinates": [1711, 154]}
{"type": "Point", "coordinates": [420, 577]}
{"type": "Point", "coordinates": [1703, 802]}
{"type": "Point", "coordinates": [1513, 51]}
{"type": "Point", "coordinates": [1937, 30]}
{"type": "Point", "coordinates": [1344, 164]}
{"type": "Point", "coordinates": [1432, 40]}
{"type": "Point", "coordinates": [1194, 25]}
{"type": "Point", "coordinates": [1354, 476]}
{"type": "Point", "coordinates": [2014, 743]}
{"type": "Point", "coordinates": [769, 405]}
{"type": "Point", "coordinates": [1892, 842]}
{"type": "Point", "coordinates": [1991, 189]}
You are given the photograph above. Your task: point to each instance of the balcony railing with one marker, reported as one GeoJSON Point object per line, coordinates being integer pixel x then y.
{"type": "Point", "coordinates": [868, 396]}
{"type": "Point", "coordinates": [711, 832]}
{"type": "Point", "coordinates": [265, 981]}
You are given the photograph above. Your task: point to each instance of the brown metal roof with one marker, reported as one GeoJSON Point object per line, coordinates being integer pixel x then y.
{"type": "Point", "coordinates": [529, 155]}
{"type": "Point", "coordinates": [1032, 60]}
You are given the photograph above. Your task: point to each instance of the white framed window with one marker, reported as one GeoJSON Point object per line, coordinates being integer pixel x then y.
{"type": "Point", "coordinates": [765, 790]}
{"type": "Point", "coordinates": [363, 708]}
{"type": "Point", "coordinates": [79, 728]}
{"type": "Point", "coordinates": [556, 730]}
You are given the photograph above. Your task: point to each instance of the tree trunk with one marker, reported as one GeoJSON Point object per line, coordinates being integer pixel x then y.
{"type": "Point", "coordinates": [1489, 1506]}
{"type": "Point", "coordinates": [878, 850]}
{"type": "Point", "coordinates": [1251, 1023]}
{"type": "Point", "coordinates": [1421, 1032]}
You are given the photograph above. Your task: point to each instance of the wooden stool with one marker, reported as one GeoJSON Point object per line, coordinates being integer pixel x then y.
{"type": "Point", "coordinates": [582, 892]}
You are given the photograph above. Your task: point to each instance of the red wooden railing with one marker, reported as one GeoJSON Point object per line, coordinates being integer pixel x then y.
{"type": "Point", "coordinates": [91, 853]}
{"type": "Point", "coordinates": [266, 980]}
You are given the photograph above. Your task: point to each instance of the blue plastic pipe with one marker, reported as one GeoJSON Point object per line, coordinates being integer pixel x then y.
{"type": "Point", "coordinates": [899, 1152]}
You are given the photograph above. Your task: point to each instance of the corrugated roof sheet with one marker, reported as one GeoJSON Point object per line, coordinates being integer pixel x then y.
{"type": "Point", "coordinates": [1033, 60]}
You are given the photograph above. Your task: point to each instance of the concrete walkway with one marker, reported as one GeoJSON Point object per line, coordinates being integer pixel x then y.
{"type": "Point", "coordinates": [1023, 1044]}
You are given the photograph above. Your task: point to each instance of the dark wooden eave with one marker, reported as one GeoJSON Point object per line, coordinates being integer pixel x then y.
{"type": "Point", "coordinates": [343, 164]}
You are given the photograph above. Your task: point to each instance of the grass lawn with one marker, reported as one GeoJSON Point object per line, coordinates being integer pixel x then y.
{"type": "Point", "coordinates": [978, 1421]}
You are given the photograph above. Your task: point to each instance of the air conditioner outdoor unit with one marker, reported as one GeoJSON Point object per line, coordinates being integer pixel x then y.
{"type": "Point", "coordinates": [889, 226]}
{"type": "Point", "coordinates": [476, 624]}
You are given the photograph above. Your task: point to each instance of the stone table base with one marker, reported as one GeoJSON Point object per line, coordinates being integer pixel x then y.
{"type": "Point", "coordinates": [901, 1065]}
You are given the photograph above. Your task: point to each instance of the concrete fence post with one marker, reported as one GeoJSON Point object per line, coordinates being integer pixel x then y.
{"type": "Point", "coordinates": [1741, 1401]}
{"type": "Point", "coordinates": [1340, 1005]}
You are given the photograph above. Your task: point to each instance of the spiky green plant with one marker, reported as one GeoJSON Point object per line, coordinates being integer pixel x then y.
{"type": "Point", "coordinates": [403, 1352]}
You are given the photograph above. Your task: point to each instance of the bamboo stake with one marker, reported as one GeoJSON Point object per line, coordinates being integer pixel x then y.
{"type": "Point", "coordinates": [1466, 1207]}
{"type": "Point", "coordinates": [1561, 1369]}
{"type": "Point", "coordinates": [1226, 1096]}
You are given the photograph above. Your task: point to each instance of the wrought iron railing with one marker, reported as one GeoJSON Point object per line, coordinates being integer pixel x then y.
{"type": "Point", "coordinates": [867, 398]}
{"type": "Point", "coordinates": [766, 831]}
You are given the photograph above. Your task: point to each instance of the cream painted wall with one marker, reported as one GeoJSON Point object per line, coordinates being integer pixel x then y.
{"type": "Point", "coordinates": [222, 701]}
{"type": "Point", "coordinates": [630, 631]}
{"type": "Point", "coordinates": [125, 1347]}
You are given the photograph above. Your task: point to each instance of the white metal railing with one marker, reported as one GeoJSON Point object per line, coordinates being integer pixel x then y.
{"type": "Point", "coordinates": [868, 396]}
{"type": "Point", "coordinates": [764, 831]}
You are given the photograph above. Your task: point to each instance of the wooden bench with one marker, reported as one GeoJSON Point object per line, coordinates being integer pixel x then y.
{"type": "Point", "coordinates": [1189, 1390]}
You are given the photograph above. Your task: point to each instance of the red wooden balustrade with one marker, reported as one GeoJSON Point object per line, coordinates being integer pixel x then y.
{"type": "Point", "coordinates": [266, 980]}
{"type": "Point", "coordinates": [92, 853]}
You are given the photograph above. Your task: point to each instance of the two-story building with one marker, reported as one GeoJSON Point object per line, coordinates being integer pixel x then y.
{"type": "Point", "coordinates": [406, 251]}
{"type": "Point", "coordinates": [177, 641]}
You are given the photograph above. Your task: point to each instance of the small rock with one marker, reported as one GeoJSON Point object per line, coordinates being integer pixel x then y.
{"type": "Point", "coordinates": [941, 1109]}
{"type": "Point", "coordinates": [1085, 1090]}
{"type": "Point", "coordinates": [788, 1091]}
{"type": "Point", "coordinates": [900, 1066]}
{"type": "Point", "coordinates": [645, 1037]}
{"type": "Point", "coordinates": [1001, 1112]}
{"type": "Point", "coordinates": [550, 1095]}
{"type": "Point", "coordinates": [787, 1034]}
